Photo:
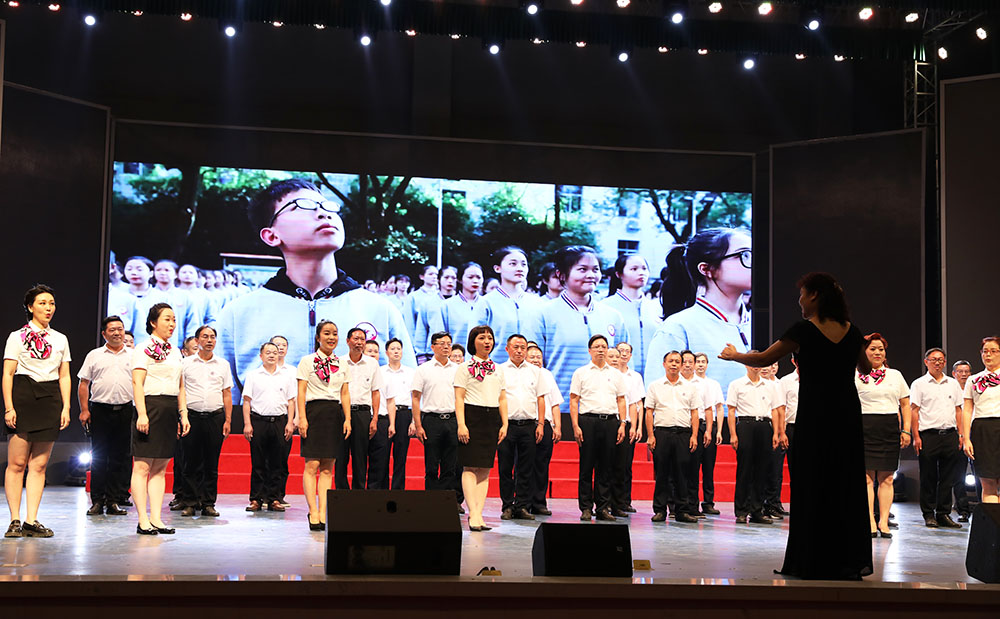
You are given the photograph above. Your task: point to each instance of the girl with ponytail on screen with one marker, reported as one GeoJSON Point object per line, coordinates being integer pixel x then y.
{"type": "Point", "coordinates": [702, 298]}
{"type": "Point", "coordinates": [625, 294]}
{"type": "Point", "coordinates": [508, 309]}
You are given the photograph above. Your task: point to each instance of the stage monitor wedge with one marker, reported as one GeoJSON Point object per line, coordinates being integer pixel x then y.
{"type": "Point", "coordinates": [601, 550]}
{"type": "Point", "coordinates": [393, 532]}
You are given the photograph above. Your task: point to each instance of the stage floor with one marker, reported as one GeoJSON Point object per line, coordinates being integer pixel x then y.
{"type": "Point", "coordinates": [280, 546]}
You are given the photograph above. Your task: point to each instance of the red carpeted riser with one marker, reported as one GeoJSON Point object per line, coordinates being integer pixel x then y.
{"type": "Point", "coordinates": [234, 471]}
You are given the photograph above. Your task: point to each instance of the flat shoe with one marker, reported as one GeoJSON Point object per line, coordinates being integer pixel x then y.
{"type": "Point", "coordinates": [14, 530]}
{"type": "Point", "coordinates": [36, 529]}
{"type": "Point", "coordinates": [314, 526]}
{"type": "Point", "coordinates": [163, 530]}
{"type": "Point", "coordinates": [150, 531]}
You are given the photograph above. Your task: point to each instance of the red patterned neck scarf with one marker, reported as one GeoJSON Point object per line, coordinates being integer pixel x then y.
{"type": "Point", "coordinates": [157, 351]}
{"type": "Point", "coordinates": [480, 369]}
{"type": "Point", "coordinates": [35, 343]}
{"type": "Point", "coordinates": [325, 367]}
{"type": "Point", "coordinates": [875, 375]}
{"type": "Point", "coordinates": [984, 382]}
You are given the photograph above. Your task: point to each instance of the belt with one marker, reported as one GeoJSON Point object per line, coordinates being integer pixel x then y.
{"type": "Point", "coordinates": [601, 416]}
{"type": "Point", "coordinates": [523, 422]}
{"type": "Point", "coordinates": [939, 431]}
{"type": "Point", "coordinates": [740, 418]}
{"type": "Point", "coordinates": [440, 415]}
{"type": "Point", "coordinates": [268, 418]}
{"type": "Point", "coordinates": [674, 429]}
{"type": "Point", "coordinates": [204, 413]}
{"type": "Point", "coordinates": [361, 407]}
{"type": "Point", "coordinates": [403, 408]}
{"type": "Point", "coordinates": [114, 407]}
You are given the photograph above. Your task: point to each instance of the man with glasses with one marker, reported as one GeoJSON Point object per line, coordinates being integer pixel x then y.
{"type": "Point", "coordinates": [961, 371]}
{"type": "Point", "coordinates": [295, 218]}
{"type": "Point", "coordinates": [936, 408]}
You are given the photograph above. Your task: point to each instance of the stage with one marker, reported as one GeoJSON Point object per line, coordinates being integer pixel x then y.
{"type": "Point", "coordinates": [714, 565]}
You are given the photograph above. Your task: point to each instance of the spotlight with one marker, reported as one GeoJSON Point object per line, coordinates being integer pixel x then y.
{"type": "Point", "coordinates": [230, 31]}
{"type": "Point", "coordinates": [813, 24]}
{"type": "Point", "coordinates": [703, 52]}
{"type": "Point", "coordinates": [84, 458]}
{"type": "Point", "coordinates": [581, 44]}
{"type": "Point", "coordinates": [622, 56]}
{"type": "Point", "coordinates": [765, 8]}
{"type": "Point", "coordinates": [662, 49]}
{"type": "Point", "coordinates": [277, 24]}
{"type": "Point", "coordinates": [838, 58]}
{"type": "Point", "coordinates": [537, 41]}
{"type": "Point", "coordinates": [456, 37]}
{"type": "Point", "coordinates": [186, 17]}
{"type": "Point", "coordinates": [385, 2]}
{"type": "Point", "coordinates": [532, 9]}
{"type": "Point", "coordinates": [623, 4]}
{"type": "Point", "coordinates": [800, 56]}
{"type": "Point", "coordinates": [319, 26]}
{"type": "Point", "coordinates": [942, 53]}
{"type": "Point", "coordinates": [13, 4]}
{"type": "Point", "coordinates": [494, 49]}
{"type": "Point", "coordinates": [137, 13]}
{"type": "Point", "coordinates": [90, 20]}
{"type": "Point", "coordinates": [715, 7]}
{"type": "Point", "coordinates": [895, 475]}
{"type": "Point", "coordinates": [365, 40]}
{"type": "Point", "coordinates": [912, 17]}
{"type": "Point", "coordinates": [576, 2]}
{"type": "Point", "coordinates": [54, 7]}
{"type": "Point", "coordinates": [677, 17]}
{"type": "Point", "coordinates": [411, 33]}
{"type": "Point", "coordinates": [970, 480]}
{"type": "Point", "coordinates": [749, 63]}
{"type": "Point", "coordinates": [982, 34]}
{"type": "Point", "coordinates": [866, 13]}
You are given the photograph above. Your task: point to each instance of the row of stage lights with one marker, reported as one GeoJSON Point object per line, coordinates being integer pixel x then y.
{"type": "Point", "coordinates": [532, 7]}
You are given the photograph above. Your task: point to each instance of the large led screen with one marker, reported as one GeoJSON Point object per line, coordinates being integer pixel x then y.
{"type": "Point", "coordinates": [259, 253]}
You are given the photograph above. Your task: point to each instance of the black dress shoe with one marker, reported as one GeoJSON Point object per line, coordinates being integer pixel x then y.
{"type": "Point", "coordinates": [700, 516]}
{"type": "Point", "coordinates": [95, 510]}
{"type": "Point", "coordinates": [163, 530]}
{"type": "Point", "coordinates": [630, 509]}
{"type": "Point", "coordinates": [485, 528]}
{"type": "Point", "coordinates": [774, 514]}
{"type": "Point", "coordinates": [760, 519]}
{"type": "Point", "coordinates": [946, 522]}
{"type": "Point", "coordinates": [688, 518]}
{"type": "Point", "coordinates": [474, 529]}
{"type": "Point", "coordinates": [874, 534]}
{"type": "Point", "coordinates": [522, 514]}
{"type": "Point", "coordinates": [741, 519]}
{"type": "Point", "coordinates": [780, 510]}
{"type": "Point", "coordinates": [619, 513]}
{"type": "Point", "coordinates": [885, 534]}
{"type": "Point", "coordinates": [586, 515]}
{"type": "Point", "coordinates": [150, 531]}
{"type": "Point", "coordinates": [113, 509]}
{"type": "Point", "coordinates": [36, 529]}
{"type": "Point", "coordinates": [314, 526]}
{"type": "Point", "coordinates": [541, 511]}
{"type": "Point", "coordinates": [188, 512]}
{"type": "Point", "coordinates": [176, 507]}
{"type": "Point", "coordinates": [507, 514]}
{"type": "Point", "coordinates": [209, 510]}
{"type": "Point", "coordinates": [14, 530]}
{"type": "Point", "coordinates": [124, 503]}
{"type": "Point", "coordinates": [931, 522]}
{"type": "Point", "coordinates": [893, 525]}
{"type": "Point", "coordinates": [710, 510]}
{"type": "Point", "coordinates": [659, 517]}
{"type": "Point", "coordinates": [963, 517]}
{"type": "Point", "coordinates": [605, 515]}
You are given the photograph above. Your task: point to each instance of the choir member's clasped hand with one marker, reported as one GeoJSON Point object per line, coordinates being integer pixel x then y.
{"type": "Point", "coordinates": [303, 428]}
{"type": "Point", "coordinates": [248, 432]}
{"type": "Point", "coordinates": [621, 434]}
{"type": "Point", "coordinates": [463, 434]}
{"type": "Point", "coordinates": [347, 428]}
{"type": "Point", "coordinates": [728, 353]}
{"type": "Point", "coordinates": [142, 424]}
{"type": "Point", "coordinates": [502, 434]}
{"type": "Point", "coordinates": [10, 418]}
{"type": "Point", "coordinates": [64, 419]}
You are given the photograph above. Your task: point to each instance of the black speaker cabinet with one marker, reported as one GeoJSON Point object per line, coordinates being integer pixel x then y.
{"type": "Point", "coordinates": [393, 532]}
{"type": "Point", "coordinates": [582, 550]}
{"type": "Point", "coordinates": [982, 560]}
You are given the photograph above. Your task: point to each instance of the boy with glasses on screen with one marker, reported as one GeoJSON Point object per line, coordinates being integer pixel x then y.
{"type": "Point", "coordinates": [295, 218]}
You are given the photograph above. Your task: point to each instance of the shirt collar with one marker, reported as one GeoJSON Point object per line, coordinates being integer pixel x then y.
{"type": "Point", "coordinates": [281, 283]}
{"type": "Point", "coordinates": [711, 309]}
{"type": "Point", "coordinates": [123, 350]}
{"type": "Point", "coordinates": [441, 365]}
{"type": "Point", "coordinates": [586, 310]}
{"type": "Point", "coordinates": [930, 379]}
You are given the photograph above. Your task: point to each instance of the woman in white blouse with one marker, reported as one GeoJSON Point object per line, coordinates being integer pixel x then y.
{"type": "Point", "coordinates": [481, 411]}
{"type": "Point", "coordinates": [36, 388]}
{"type": "Point", "coordinates": [883, 393]}
{"type": "Point", "coordinates": [323, 398]}
{"type": "Point", "coordinates": [161, 415]}
{"type": "Point", "coordinates": [981, 420]}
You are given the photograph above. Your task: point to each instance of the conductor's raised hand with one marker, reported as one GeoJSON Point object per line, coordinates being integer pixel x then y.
{"type": "Point", "coordinates": [729, 353]}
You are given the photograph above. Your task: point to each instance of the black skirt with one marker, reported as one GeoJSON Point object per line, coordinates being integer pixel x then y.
{"type": "Point", "coordinates": [985, 437]}
{"type": "Point", "coordinates": [161, 440]}
{"type": "Point", "coordinates": [38, 406]}
{"type": "Point", "coordinates": [881, 442]}
{"type": "Point", "coordinates": [484, 424]}
{"type": "Point", "coordinates": [325, 435]}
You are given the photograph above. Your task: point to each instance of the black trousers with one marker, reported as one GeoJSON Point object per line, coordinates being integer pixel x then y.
{"type": "Point", "coordinates": [703, 460]}
{"type": "Point", "coordinates": [775, 477]}
{"type": "Point", "coordinates": [110, 442]}
{"type": "Point", "coordinates": [202, 447]}
{"type": "Point", "coordinates": [178, 488]}
{"type": "Point", "coordinates": [440, 452]}
{"type": "Point", "coordinates": [962, 491]}
{"type": "Point", "coordinates": [673, 465]}
{"type": "Point", "coordinates": [621, 481]}
{"type": "Point", "coordinates": [378, 456]}
{"type": "Point", "coordinates": [355, 451]}
{"type": "Point", "coordinates": [267, 453]}
{"type": "Point", "coordinates": [753, 461]}
{"type": "Point", "coordinates": [400, 445]}
{"type": "Point", "coordinates": [284, 469]}
{"type": "Point", "coordinates": [790, 433]}
{"type": "Point", "coordinates": [516, 465]}
{"type": "Point", "coordinates": [941, 466]}
{"type": "Point", "coordinates": [597, 454]}
{"type": "Point", "coordinates": [540, 480]}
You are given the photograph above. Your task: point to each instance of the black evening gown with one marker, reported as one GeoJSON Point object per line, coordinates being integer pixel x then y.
{"type": "Point", "coordinates": [829, 535]}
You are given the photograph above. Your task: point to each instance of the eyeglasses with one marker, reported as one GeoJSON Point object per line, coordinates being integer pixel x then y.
{"type": "Point", "coordinates": [746, 257]}
{"type": "Point", "coordinates": [305, 204]}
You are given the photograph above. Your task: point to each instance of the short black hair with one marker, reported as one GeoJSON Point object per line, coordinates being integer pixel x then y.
{"type": "Point", "coordinates": [274, 337]}
{"type": "Point", "coordinates": [32, 293]}
{"type": "Point", "coordinates": [474, 333]}
{"type": "Point", "coordinates": [455, 347]}
{"type": "Point", "coordinates": [437, 336]}
{"type": "Point", "coordinates": [688, 352]}
{"type": "Point", "coordinates": [367, 342]}
{"type": "Point", "coordinates": [394, 340]}
{"type": "Point", "coordinates": [517, 335]}
{"type": "Point", "coordinates": [354, 330]}
{"type": "Point", "coordinates": [261, 207]}
{"type": "Point", "coordinates": [109, 320]}
{"type": "Point", "coordinates": [203, 327]}
{"type": "Point", "coordinates": [674, 352]}
{"type": "Point", "coordinates": [266, 344]}
{"type": "Point", "coordinates": [594, 338]}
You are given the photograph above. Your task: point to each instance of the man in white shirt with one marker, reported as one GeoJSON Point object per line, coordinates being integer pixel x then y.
{"type": "Point", "coordinates": [397, 419]}
{"type": "Point", "coordinates": [208, 384]}
{"type": "Point", "coordinates": [776, 473]}
{"type": "Point", "coordinates": [621, 484]}
{"type": "Point", "coordinates": [672, 406]}
{"type": "Point", "coordinates": [288, 371]}
{"type": "Point", "coordinates": [268, 417]}
{"type": "Point", "coordinates": [713, 413]}
{"type": "Point", "coordinates": [753, 431]}
{"type": "Point", "coordinates": [936, 404]}
{"type": "Point", "coordinates": [551, 432]}
{"type": "Point", "coordinates": [961, 371]}
{"type": "Point", "coordinates": [598, 412]}
{"type": "Point", "coordinates": [433, 403]}
{"type": "Point", "coordinates": [365, 385]}
{"type": "Point", "coordinates": [525, 428]}
{"type": "Point", "coordinates": [106, 410]}
{"type": "Point", "coordinates": [789, 385]}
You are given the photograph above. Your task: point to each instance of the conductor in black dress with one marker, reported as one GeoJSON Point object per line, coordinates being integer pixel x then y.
{"type": "Point", "coordinates": [829, 447]}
